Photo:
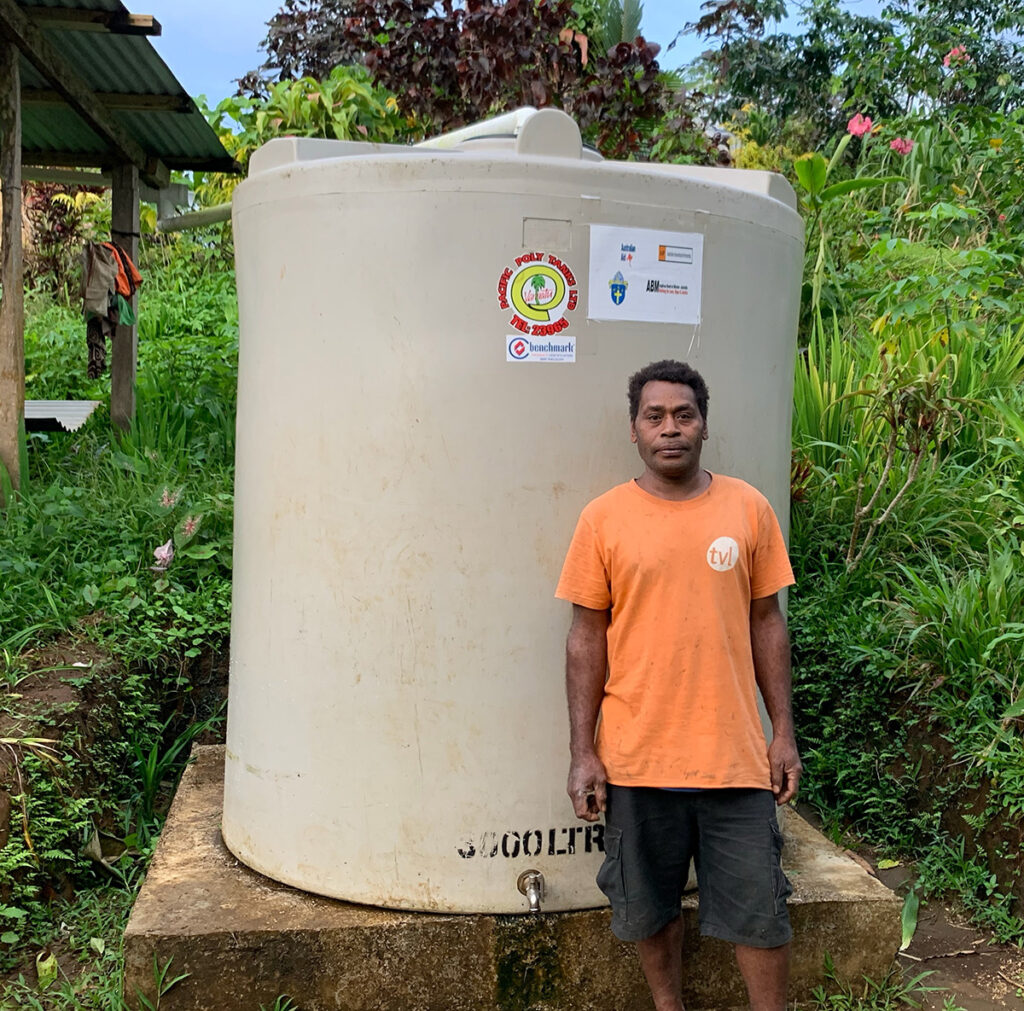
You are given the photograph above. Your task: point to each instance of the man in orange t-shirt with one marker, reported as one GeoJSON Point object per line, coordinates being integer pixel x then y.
{"type": "Point", "coordinates": [674, 581]}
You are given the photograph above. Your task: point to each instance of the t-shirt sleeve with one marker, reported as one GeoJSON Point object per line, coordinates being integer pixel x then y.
{"type": "Point", "coordinates": [584, 578]}
{"type": "Point", "coordinates": [770, 570]}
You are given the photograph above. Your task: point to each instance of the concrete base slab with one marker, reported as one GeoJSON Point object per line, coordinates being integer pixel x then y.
{"type": "Point", "coordinates": [244, 939]}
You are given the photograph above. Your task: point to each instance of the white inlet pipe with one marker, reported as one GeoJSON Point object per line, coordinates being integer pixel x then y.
{"type": "Point", "coordinates": [195, 219]}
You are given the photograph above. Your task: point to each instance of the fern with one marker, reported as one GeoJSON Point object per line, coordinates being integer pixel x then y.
{"type": "Point", "coordinates": [620, 21]}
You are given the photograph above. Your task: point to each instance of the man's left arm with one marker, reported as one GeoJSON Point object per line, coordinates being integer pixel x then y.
{"type": "Point", "coordinates": [769, 642]}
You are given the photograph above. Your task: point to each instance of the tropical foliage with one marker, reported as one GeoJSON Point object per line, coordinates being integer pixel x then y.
{"type": "Point", "coordinates": [449, 64]}
{"type": "Point", "coordinates": [903, 136]}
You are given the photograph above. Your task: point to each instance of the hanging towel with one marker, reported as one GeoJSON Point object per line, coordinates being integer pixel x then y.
{"type": "Point", "coordinates": [100, 268]}
{"type": "Point", "coordinates": [109, 280]}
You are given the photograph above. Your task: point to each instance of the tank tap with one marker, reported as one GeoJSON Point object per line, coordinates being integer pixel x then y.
{"type": "Point", "coordinates": [531, 884]}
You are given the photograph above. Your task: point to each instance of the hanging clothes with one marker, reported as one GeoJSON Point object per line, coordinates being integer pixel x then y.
{"type": "Point", "coordinates": [109, 280]}
{"type": "Point", "coordinates": [128, 278]}
{"type": "Point", "coordinates": [96, 342]}
{"type": "Point", "coordinates": [99, 277]}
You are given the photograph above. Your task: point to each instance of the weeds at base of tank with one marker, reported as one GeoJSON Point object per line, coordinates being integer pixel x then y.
{"type": "Point", "coordinates": [80, 963]}
{"type": "Point", "coordinates": [891, 993]}
{"type": "Point", "coordinates": [283, 1003]}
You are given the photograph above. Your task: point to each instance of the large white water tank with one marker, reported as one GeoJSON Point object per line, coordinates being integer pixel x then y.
{"type": "Point", "coordinates": [435, 344]}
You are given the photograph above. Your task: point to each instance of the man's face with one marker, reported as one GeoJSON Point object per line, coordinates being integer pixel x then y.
{"type": "Point", "coordinates": [669, 430]}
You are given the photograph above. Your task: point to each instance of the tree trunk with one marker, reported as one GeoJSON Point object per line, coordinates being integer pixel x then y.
{"type": "Point", "coordinates": [124, 230]}
{"type": "Point", "coordinates": [12, 304]}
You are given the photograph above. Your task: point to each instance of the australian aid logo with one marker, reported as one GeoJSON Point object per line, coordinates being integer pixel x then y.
{"type": "Point", "coordinates": [539, 290]}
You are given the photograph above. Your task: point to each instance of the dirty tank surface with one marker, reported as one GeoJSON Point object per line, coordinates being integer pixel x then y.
{"type": "Point", "coordinates": [244, 939]}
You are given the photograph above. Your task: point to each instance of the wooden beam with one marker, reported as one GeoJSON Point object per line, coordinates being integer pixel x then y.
{"type": "Point", "coordinates": [37, 49]}
{"type": "Point", "coordinates": [65, 176]}
{"type": "Point", "coordinates": [114, 101]}
{"type": "Point", "coordinates": [155, 173]}
{"type": "Point", "coordinates": [124, 230]}
{"type": "Point", "coordinates": [102, 159]}
{"type": "Point", "coordinates": [115, 22]}
{"type": "Point", "coordinates": [170, 196]}
{"type": "Point", "coordinates": [186, 164]}
{"type": "Point", "coordinates": [12, 304]}
{"type": "Point", "coordinates": [73, 159]}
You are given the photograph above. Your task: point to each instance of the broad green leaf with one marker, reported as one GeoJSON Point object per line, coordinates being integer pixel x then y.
{"type": "Point", "coordinates": [46, 969]}
{"type": "Point", "coordinates": [97, 944]}
{"type": "Point", "coordinates": [8, 937]}
{"type": "Point", "coordinates": [1017, 709]}
{"type": "Point", "coordinates": [849, 185]}
{"type": "Point", "coordinates": [909, 918]}
{"type": "Point", "coordinates": [839, 151]}
{"type": "Point", "coordinates": [201, 551]}
{"type": "Point", "coordinates": [887, 865]}
{"type": "Point", "coordinates": [811, 171]}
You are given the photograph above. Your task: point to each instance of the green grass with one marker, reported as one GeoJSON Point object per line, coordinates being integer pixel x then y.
{"type": "Point", "coordinates": [912, 660]}
{"type": "Point", "coordinates": [907, 622]}
{"type": "Point", "coordinates": [78, 543]}
{"type": "Point", "coordinates": [892, 993]}
{"type": "Point", "coordinates": [86, 936]}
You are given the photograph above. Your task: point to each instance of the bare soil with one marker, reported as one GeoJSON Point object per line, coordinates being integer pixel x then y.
{"type": "Point", "coordinates": [965, 963]}
{"type": "Point", "coordinates": [979, 973]}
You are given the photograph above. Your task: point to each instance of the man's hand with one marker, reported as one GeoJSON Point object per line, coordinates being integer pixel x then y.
{"type": "Point", "coordinates": [586, 662]}
{"type": "Point", "coordinates": [785, 766]}
{"type": "Point", "coordinates": [769, 643]}
{"type": "Point", "coordinates": [586, 787]}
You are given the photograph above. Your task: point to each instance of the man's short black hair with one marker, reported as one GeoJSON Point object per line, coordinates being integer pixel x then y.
{"type": "Point", "coordinates": [668, 371]}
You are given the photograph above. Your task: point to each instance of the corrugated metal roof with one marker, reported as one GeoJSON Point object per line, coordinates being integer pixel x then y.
{"type": "Point", "coordinates": [114, 64]}
{"type": "Point", "coordinates": [71, 415]}
{"type": "Point", "coordinates": [78, 5]}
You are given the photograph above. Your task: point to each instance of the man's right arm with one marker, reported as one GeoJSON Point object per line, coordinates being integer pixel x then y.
{"type": "Point", "coordinates": [586, 664]}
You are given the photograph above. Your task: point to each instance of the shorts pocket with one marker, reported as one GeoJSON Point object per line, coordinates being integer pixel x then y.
{"type": "Point", "coordinates": [610, 878]}
{"type": "Point", "coordinates": [781, 888]}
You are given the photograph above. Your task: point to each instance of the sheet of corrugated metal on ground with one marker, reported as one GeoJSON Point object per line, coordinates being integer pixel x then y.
{"type": "Point", "coordinates": [55, 415]}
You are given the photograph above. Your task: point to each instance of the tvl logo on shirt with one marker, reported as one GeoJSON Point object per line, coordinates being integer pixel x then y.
{"type": "Point", "coordinates": [723, 554]}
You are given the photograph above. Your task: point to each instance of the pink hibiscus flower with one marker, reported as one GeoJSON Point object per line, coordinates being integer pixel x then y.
{"type": "Point", "coordinates": [958, 54]}
{"type": "Point", "coordinates": [859, 125]}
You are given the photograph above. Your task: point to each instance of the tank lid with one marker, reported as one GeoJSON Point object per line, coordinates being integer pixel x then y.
{"type": "Point", "coordinates": [526, 132]}
{"type": "Point", "coordinates": [536, 133]}
{"type": "Point", "coordinates": [540, 133]}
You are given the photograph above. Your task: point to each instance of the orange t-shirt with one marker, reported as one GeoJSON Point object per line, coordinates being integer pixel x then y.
{"type": "Point", "coordinates": [680, 701]}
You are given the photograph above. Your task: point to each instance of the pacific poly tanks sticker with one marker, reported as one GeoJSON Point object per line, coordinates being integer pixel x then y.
{"type": "Point", "coordinates": [645, 275]}
{"type": "Point", "coordinates": [538, 290]}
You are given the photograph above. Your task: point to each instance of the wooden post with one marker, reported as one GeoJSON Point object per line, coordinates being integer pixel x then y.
{"type": "Point", "coordinates": [12, 304]}
{"type": "Point", "coordinates": [124, 230]}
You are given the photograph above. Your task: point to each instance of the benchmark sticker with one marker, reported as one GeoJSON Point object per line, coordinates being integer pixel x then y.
{"type": "Point", "coordinates": [538, 289]}
{"type": "Point", "coordinates": [525, 349]}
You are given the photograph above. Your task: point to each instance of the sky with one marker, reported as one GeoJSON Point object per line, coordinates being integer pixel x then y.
{"type": "Point", "coordinates": [209, 43]}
